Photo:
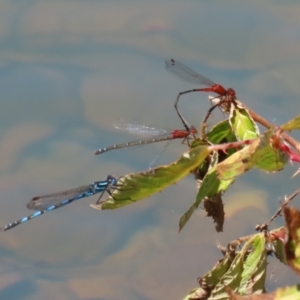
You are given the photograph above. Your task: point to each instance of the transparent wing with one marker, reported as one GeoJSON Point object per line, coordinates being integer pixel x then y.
{"type": "Point", "coordinates": [157, 157]}
{"type": "Point", "coordinates": [43, 202]}
{"type": "Point", "coordinates": [183, 72]}
{"type": "Point", "coordinates": [138, 128]}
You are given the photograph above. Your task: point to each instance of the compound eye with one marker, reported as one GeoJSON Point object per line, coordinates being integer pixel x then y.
{"type": "Point", "coordinates": [193, 129]}
{"type": "Point", "coordinates": [231, 92]}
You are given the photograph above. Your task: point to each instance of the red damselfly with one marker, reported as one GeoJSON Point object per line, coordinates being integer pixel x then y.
{"type": "Point", "coordinates": [157, 135]}
{"type": "Point", "coordinates": [189, 75]}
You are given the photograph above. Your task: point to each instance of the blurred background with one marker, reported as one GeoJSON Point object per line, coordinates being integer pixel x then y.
{"type": "Point", "coordinates": [68, 69]}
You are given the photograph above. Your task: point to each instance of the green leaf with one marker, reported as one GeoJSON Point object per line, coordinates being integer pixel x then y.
{"type": "Point", "coordinates": [291, 125]}
{"type": "Point", "coordinates": [287, 293]}
{"type": "Point", "coordinates": [237, 163]}
{"type": "Point", "coordinates": [183, 220]}
{"type": "Point", "coordinates": [219, 178]}
{"type": "Point", "coordinates": [212, 278]}
{"type": "Point", "coordinates": [259, 277]}
{"type": "Point", "coordinates": [231, 278]}
{"type": "Point", "coordinates": [253, 268]}
{"type": "Point", "coordinates": [243, 272]}
{"type": "Point", "coordinates": [220, 132]}
{"type": "Point", "coordinates": [210, 186]}
{"type": "Point", "coordinates": [242, 124]}
{"type": "Point", "coordinates": [279, 249]}
{"type": "Point", "coordinates": [240, 269]}
{"type": "Point", "coordinates": [136, 186]}
{"type": "Point", "coordinates": [267, 158]}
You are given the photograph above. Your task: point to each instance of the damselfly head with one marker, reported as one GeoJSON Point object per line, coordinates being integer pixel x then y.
{"type": "Point", "coordinates": [231, 92]}
{"type": "Point", "coordinates": [111, 180]}
{"type": "Point", "coordinates": [193, 130]}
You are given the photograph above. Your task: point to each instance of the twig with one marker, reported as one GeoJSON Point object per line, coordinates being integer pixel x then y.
{"type": "Point", "coordinates": [285, 203]}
